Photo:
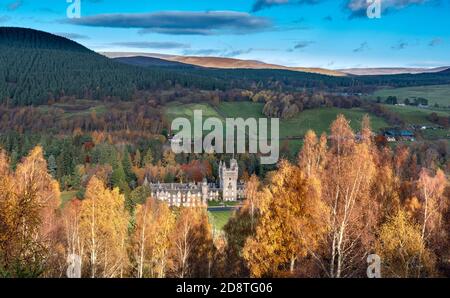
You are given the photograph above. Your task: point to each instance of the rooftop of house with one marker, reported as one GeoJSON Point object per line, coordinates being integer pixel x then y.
{"type": "Point", "coordinates": [399, 133]}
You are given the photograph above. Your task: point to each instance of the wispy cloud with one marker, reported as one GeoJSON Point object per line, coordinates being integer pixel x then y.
{"type": "Point", "coordinates": [181, 22]}
{"type": "Point", "coordinates": [152, 45]}
{"type": "Point", "coordinates": [400, 46]}
{"type": "Point", "coordinates": [4, 19]}
{"type": "Point", "coordinates": [303, 44]}
{"type": "Point", "coordinates": [72, 35]}
{"type": "Point", "coordinates": [428, 63]}
{"type": "Point", "coordinates": [362, 47]}
{"type": "Point", "coordinates": [299, 20]}
{"type": "Point", "coordinates": [358, 8]}
{"type": "Point", "coordinates": [227, 53]}
{"type": "Point", "coordinates": [14, 5]}
{"type": "Point", "coordinates": [263, 4]}
{"type": "Point", "coordinates": [435, 42]}
{"type": "Point", "coordinates": [47, 10]}
{"type": "Point", "coordinates": [202, 52]}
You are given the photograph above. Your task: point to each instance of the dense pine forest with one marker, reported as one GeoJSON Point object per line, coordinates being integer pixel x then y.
{"type": "Point", "coordinates": [39, 68]}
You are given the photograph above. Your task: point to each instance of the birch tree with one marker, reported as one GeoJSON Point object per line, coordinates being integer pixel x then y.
{"type": "Point", "coordinates": [103, 226]}
{"type": "Point", "coordinates": [154, 225]}
{"type": "Point", "coordinates": [29, 199]}
{"type": "Point", "coordinates": [291, 224]}
{"type": "Point", "coordinates": [192, 244]}
{"type": "Point", "coordinates": [347, 181]}
{"type": "Point", "coordinates": [312, 157]}
{"type": "Point", "coordinates": [251, 195]}
{"type": "Point", "coordinates": [434, 204]}
{"type": "Point", "coordinates": [402, 249]}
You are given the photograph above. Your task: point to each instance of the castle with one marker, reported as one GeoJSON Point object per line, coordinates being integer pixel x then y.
{"type": "Point", "coordinates": [199, 194]}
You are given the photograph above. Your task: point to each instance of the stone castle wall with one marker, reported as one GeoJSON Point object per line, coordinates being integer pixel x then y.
{"type": "Point", "coordinates": [199, 194]}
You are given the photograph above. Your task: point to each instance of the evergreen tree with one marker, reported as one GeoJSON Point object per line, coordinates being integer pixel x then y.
{"type": "Point", "coordinates": [137, 159]}
{"type": "Point", "coordinates": [128, 169]}
{"type": "Point", "coordinates": [14, 159]}
{"type": "Point", "coordinates": [148, 158]}
{"type": "Point", "coordinates": [52, 167]}
{"type": "Point", "coordinates": [118, 179]}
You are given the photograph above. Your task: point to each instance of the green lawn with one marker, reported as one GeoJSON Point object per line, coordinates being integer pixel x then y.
{"type": "Point", "coordinates": [220, 218]}
{"type": "Point", "coordinates": [221, 203]}
{"type": "Point", "coordinates": [439, 94]}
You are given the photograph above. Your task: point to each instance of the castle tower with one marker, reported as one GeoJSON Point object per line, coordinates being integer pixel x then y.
{"type": "Point", "coordinates": [220, 174]}
{"type": "Point", "coordinates": [228, 180]}
{"type": "Point", "coordinates": [205, 190]}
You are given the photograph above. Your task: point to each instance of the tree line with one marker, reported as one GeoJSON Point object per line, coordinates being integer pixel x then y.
{"type": "Point", "coordinates": [319, 216]}
{"type": "Point", "coordinates": [342, 201]}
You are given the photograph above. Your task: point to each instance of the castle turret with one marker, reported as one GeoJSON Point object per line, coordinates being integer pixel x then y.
{"type": "Point", "coordinates": [205, 189]}
{"type": "Point", "coordinates": [228, 180]}
{"type": "Point", "coordinates": [220, 174]}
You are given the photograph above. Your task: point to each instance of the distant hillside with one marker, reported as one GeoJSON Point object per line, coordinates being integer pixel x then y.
{"type": "Point", "coordinates": [390, 71]}
{"type": "Point", "coordinates": [22, 38]}
{"type": "Point", "coordinates": [151, 61]}
{"type": "Point", "coordinates": [225, 63]}
{"type": "Point", "coordinates": [445, 71]}
{"type": "Point", "coordinates": [38, 67]}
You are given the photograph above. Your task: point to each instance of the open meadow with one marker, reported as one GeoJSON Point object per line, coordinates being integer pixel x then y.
{"type": "Point", "coordinates": [436, 94]}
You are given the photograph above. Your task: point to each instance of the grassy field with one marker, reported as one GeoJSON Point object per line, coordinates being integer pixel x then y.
{"type": "Point", "coordinates": [318, 120]}
{"type": "Point", "coordinates": [245, 109]}
{"type": "Point", "coordinates": [419, 116]}
{"type": "Point", "coordinates": [415, 115]}
{"type": "Point", "coordinates": [220, 218]}
{"type": "Point", "coordinates": [176, 110]}
{"type": "Point", "coordinates": [81, 107]}
{"type": "Point", "coordinates": [439, 94]}
{"type": "Point", "coordinates": [84, 107]}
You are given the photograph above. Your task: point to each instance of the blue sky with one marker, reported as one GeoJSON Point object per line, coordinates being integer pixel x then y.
{"type": "Point", "coordinates": [312, 33]}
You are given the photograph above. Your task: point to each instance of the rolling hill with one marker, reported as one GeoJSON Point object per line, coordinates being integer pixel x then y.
{"type": "Point", "coordinates": [151, 61]}
{"type": "Point", "coordinates": [391, 70]}
{"type": "Point", "coordinates": [232, 63]}
{"type": "Point", "coordinates": [38, 67]}
{"type": "Point", "coordinates": [244, 72]}
{"type": "Point", "coordinates": [223, 63]}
